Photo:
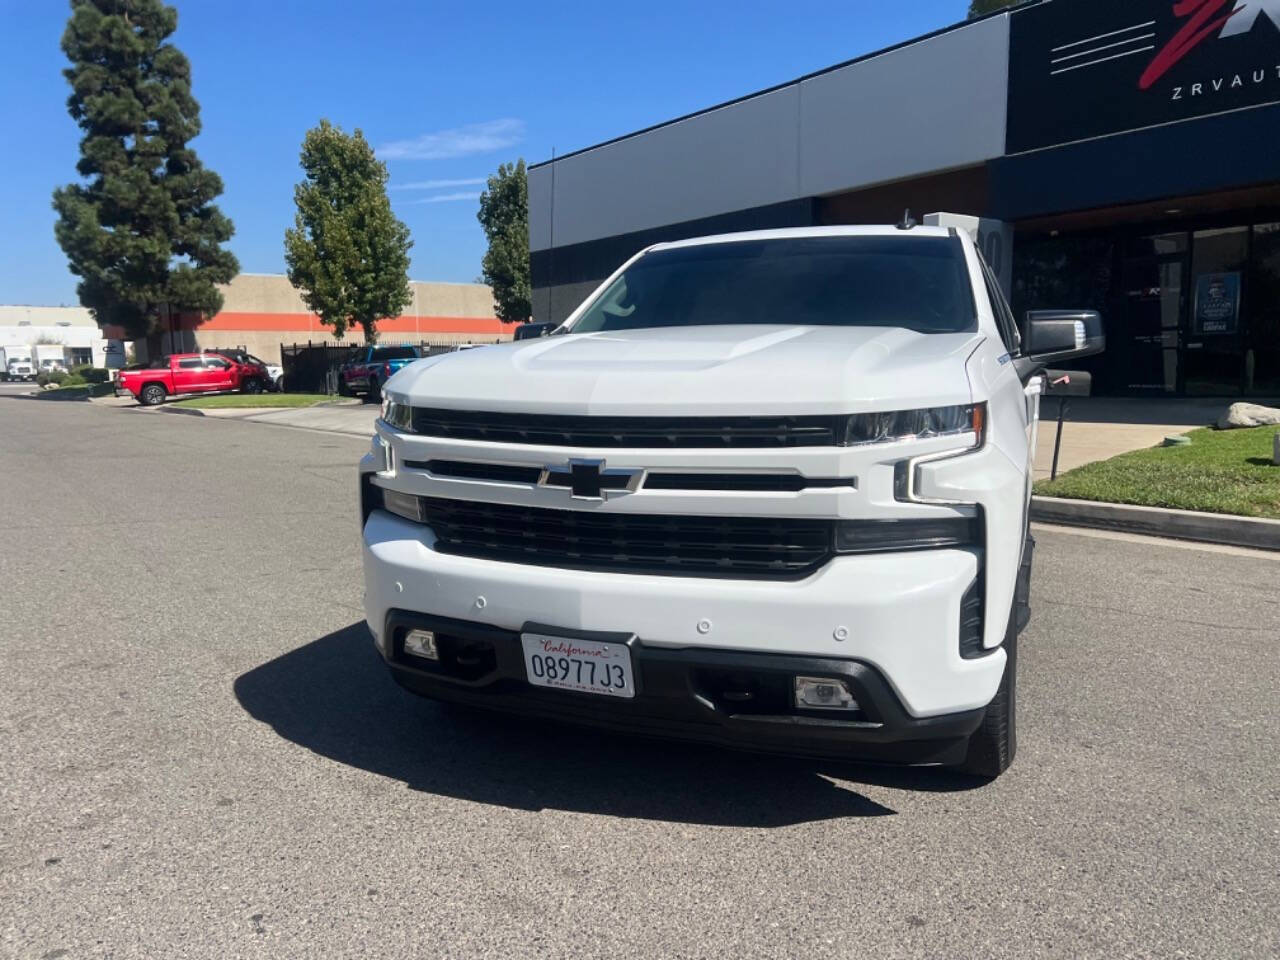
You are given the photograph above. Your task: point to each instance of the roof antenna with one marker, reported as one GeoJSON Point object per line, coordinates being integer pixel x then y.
{"type": "Point", "coordinates": [907, 222]}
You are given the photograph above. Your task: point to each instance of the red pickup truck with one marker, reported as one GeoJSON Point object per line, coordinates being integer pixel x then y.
{"type": "Point", "coordinates": [190, 373]}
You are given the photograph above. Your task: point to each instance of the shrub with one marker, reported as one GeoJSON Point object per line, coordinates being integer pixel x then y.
{"type": "Point", "coordinates": [94, 374]}
{"type": "Point", "coordinates": [73, 380]}
{"type": "Point", "coordinates": [56, 376]}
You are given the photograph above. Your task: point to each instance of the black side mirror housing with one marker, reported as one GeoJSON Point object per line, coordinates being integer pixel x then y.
{"type": "Point", "coordinates": [531, 331]}
{"type": "Point", "coordinates": [1053, 335]}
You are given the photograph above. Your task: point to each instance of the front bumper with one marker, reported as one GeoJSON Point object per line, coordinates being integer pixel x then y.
{"type": "Point", "coordinates": [896, 613]}
{"type": "Point", "coordinates": [694, 694]}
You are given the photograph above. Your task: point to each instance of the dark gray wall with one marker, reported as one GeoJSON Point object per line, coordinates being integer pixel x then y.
{"type": "Point", "coordinates": [930, 105]}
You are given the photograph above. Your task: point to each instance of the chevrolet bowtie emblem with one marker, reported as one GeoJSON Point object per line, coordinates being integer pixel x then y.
{"type": "Point", "coordinates": [589, 480]}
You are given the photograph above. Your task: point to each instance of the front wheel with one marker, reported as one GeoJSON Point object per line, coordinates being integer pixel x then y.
{"type": "Point", "coordinates": [252, 385]}
{"type": "Point", "coordinates": [993, 745]}
{"type": "Point", "coordinates": [151, 395]}
{"type": "Point", "coordinates": [375, 391]}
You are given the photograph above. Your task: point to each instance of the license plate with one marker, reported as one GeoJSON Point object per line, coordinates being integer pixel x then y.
{"type": "Point", "coordinates": [587, 666]}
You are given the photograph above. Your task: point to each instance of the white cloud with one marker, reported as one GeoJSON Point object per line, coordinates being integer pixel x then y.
{"type": "Point", "coordinates": [458, 142]}
{"type": "Point", "coordinates": [447, 197]}
{"type": "Point", "coordinates": [439, 184]}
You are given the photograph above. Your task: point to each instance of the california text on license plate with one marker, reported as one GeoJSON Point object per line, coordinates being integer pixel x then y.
{"type": "Point", "coordinates": [587, 666]}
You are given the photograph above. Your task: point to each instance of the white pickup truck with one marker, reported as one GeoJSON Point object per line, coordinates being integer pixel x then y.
{"type": "Point", "coordinates": [765, 490]}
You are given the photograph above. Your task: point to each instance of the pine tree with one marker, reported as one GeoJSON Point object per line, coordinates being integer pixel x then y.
{"type": "Point", "coordinates": [504, 214]}
{"type": "Point", "coordinates": [980, 8]}
{"type": "Point", "coordinates": [346, 252]}
{"type": "Point", "coordinates": [140, 230]}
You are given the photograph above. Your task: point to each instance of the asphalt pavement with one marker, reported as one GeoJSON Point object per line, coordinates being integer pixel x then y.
{"type": "Point", "coordinates": [202, 755]}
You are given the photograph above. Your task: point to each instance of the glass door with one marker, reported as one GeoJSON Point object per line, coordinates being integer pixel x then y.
{"type": "Point", "coordinates": [1152, 302]}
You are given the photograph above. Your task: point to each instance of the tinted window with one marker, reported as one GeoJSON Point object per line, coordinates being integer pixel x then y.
{"type": "Point", "coordinates": [916, 282]}
{"type": "Point", "coordinates": [395, 353]}
{"type": "Point", "coordinates": [1000, 309]}
{"type": "Point", "coordinates": [217, 363]}
{"type": "Point", "coordinates": [190, 364]}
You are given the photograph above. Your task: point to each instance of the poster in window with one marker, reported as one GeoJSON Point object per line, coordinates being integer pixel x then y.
{"type": "Point", "coordinates": [1217, 303]}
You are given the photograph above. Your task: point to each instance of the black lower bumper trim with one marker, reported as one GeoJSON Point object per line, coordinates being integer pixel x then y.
{"type": "Point", "coordinates": [729, 698]}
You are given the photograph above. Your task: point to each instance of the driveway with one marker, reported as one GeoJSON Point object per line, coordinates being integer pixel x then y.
{"type": "Point", "coordinates": [203, 757]}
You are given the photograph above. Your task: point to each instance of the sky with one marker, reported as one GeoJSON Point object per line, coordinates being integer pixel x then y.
{"type": "Point", "coordinates": [444, 91]}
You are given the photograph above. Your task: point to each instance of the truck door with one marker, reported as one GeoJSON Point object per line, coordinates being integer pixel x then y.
{"type": "Point", "coordinates": [217, 374]}
{"type": "Point", "coordinates": [188, 374]}
{"type": "Point", "coordinates": [1031, 390]}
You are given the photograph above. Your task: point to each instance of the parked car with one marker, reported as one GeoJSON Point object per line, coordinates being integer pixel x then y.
{"type": "Point", "coordinates": [766, 490]}
{"type": "Point", "coordinates": [369, 367]}
{"type": "Point", "coordinates": [275, 372]}
{"type": "Point", "coordinates": [52, 365]}
{"type": "Point", "coordinates": [183, 373]}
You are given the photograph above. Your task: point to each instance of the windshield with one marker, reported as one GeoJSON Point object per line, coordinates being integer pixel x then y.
{"type": "Point", "coordinates": [920, 283]}
{"type": "Point", "coordinates": [395, 353]}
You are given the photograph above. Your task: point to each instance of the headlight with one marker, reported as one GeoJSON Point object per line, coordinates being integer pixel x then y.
{"type": "Point", "coordinates": [864, 428]}
{"type": "Point", "coordinates": [396, 413]}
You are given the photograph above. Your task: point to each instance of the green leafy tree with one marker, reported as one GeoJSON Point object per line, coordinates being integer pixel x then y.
{"type": "Point", "coordinates": [346, 252]}
{"type": "Point", "coordinates": [979, 8]}
{"type": "Point", "coordinates": [141, 229]}
{"type": "Point", "coordinates": [504, 215]}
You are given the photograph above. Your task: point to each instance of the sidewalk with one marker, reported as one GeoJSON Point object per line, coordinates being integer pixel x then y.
{"type": "Point", "coordinates": [350, 418]}
{"type": "Point", "coordinates": [1098, 428]}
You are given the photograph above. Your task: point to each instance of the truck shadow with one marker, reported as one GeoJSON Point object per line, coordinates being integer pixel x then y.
{"type": "Point", "coordinates": [335, 697]}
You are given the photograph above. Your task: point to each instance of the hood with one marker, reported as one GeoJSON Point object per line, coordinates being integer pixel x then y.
{"type": "Point", "coordinates": [700, 371]}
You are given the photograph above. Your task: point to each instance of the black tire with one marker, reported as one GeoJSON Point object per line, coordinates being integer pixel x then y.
{"type": "Point", "coordinates": [252, 385]}
{"type": "Point", "coordinates": [152, 394]}
{"type": "Point", "coordinates": [375, 391]}
{"type": "Point", "coordinates": [993, 745]}
{"type": "Point", "coordinates": [343, 389]}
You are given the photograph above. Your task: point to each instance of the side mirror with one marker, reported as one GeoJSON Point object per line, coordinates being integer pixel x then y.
{"type": "Point", "coordinates": [531, 331]}
{"type": "Point", "coordinates": [1054, 335]}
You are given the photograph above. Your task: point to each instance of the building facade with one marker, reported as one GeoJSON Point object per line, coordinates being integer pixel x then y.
{"type": "Point", "coordinates": [262, 311]}
{"type": "Point", "coordinates": [1125, 157]}
{"type": "Point", "coordinates": [67, 334]}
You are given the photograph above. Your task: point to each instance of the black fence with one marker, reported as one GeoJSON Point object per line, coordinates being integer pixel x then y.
{"type": "Point", "coordinates": [312, 367]}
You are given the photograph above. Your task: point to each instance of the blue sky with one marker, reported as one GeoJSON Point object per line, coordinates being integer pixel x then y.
{"type": "Point", "coordinates": [446, 91]}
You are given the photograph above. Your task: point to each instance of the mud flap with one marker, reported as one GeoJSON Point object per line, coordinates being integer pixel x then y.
{"type": "Point", "coordinates": [1022, 589]}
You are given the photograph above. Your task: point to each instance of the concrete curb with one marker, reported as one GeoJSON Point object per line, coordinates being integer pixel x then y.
{"type": "Point", "coordinates": [185, 411]}
{"type": "Point", "coordinates": [1158, 522]}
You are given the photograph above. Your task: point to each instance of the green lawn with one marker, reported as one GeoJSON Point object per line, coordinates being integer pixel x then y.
{"type": "Point", "coordinates": [1221, 471]}
{"type": "Point", "coordinates": [219, 401]}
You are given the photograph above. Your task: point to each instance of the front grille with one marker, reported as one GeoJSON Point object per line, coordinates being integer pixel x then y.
{"type": "Point", "coordinates": [654, 479]}
{"type": "Point", "coordinates": [632, 543]}
{"type": "Point", "coordinates": [651, 432]}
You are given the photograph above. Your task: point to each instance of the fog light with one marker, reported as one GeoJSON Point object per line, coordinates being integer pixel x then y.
{"type": "Point", "coordinates": [403, 505]}
{"type": "Point", "coordinates": [421, 643]}
{"type": "Point", "coordinates": [823, 693]}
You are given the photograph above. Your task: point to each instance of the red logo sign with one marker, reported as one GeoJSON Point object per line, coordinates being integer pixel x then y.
{"type": "Point", "coordinates": [1206, 17]}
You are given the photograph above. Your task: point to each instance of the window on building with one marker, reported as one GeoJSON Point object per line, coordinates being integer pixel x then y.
{"type": "Point", "coordinates": [80, 355]}
{"type": "Point", "coordinates": [1213, 355]}
{"type": "Point", "coordinates": [1073, 273]}
{"type": "Point", "coordinates": [1262, 344]}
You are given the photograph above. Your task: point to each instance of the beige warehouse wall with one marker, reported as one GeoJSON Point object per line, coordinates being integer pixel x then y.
{"type": "Point", "coordinates": [272, 293]}
{"type": "Point", "coordinates": [266, 344]}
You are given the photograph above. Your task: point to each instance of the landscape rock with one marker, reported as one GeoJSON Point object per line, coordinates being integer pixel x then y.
{"type": "Point", "coordinates": [1248, 415]}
